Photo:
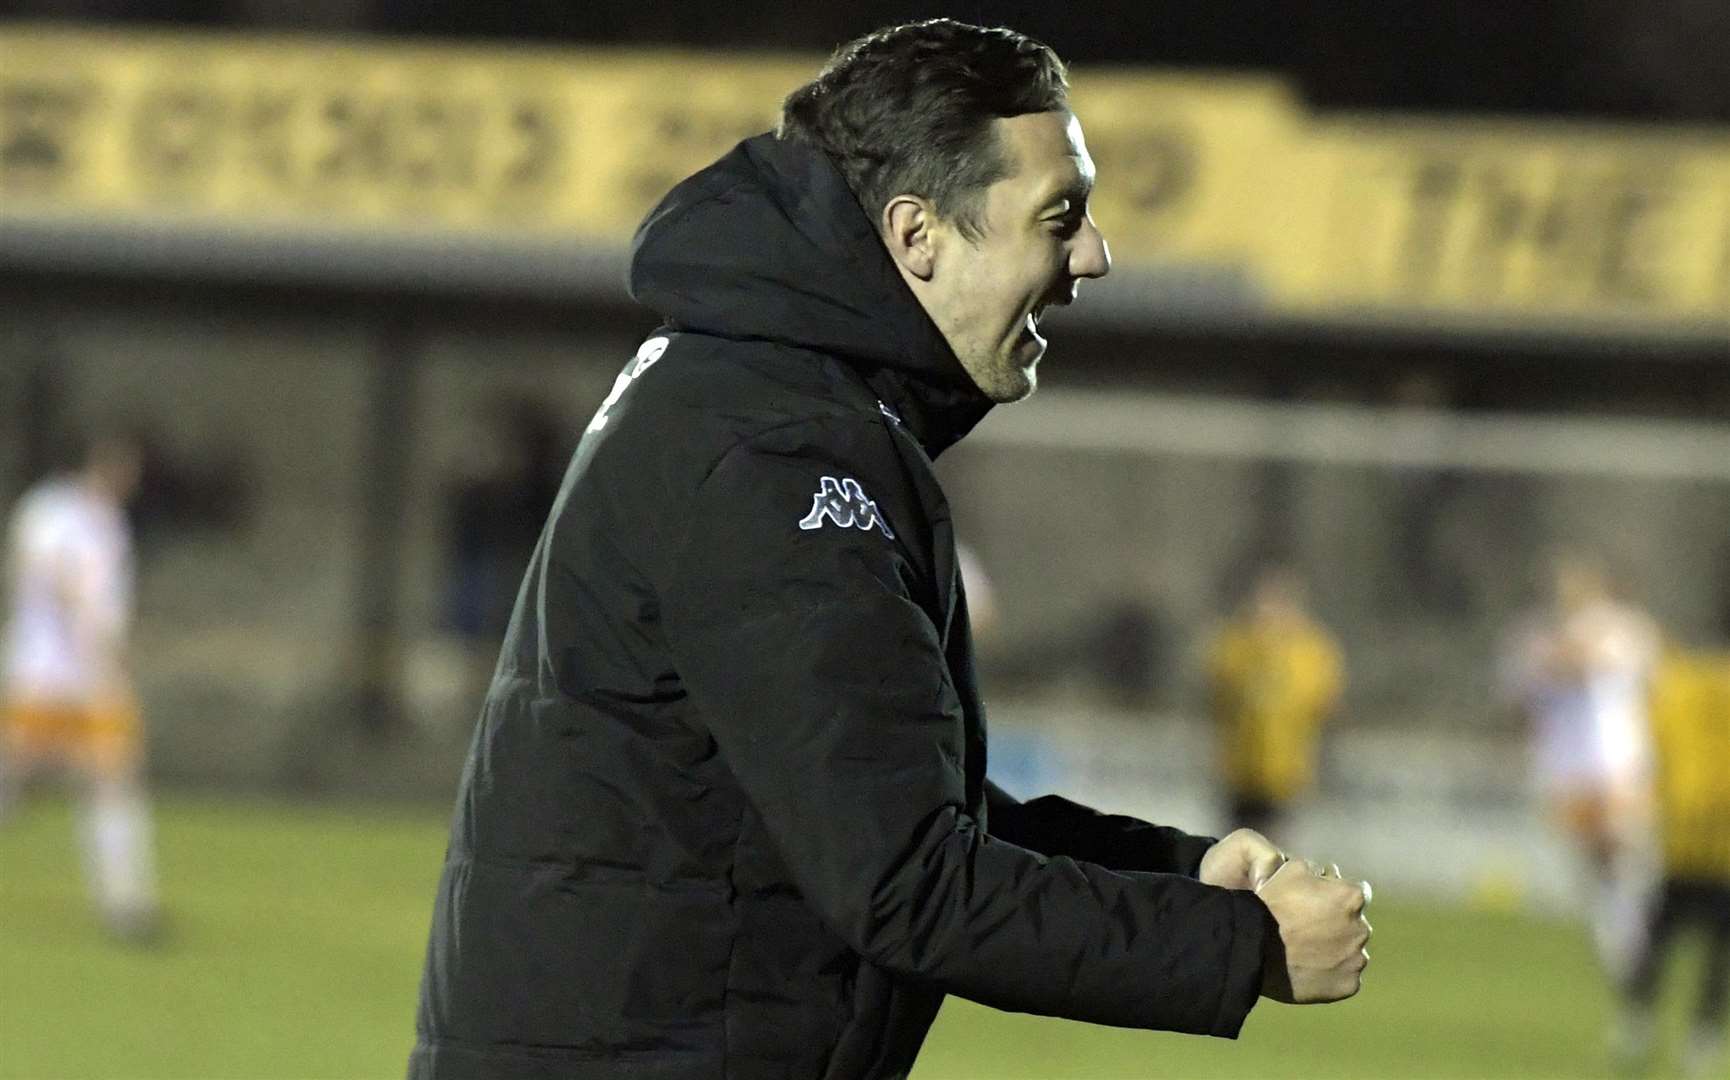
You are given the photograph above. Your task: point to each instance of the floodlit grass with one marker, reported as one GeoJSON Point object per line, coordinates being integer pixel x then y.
{"type": "Point", "coordinates": [296, 938]}
{"type": "Point", "coordinates": [294, 947]}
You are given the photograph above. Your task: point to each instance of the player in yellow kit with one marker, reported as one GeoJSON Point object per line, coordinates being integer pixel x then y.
{"type": "Point", "coordinates": [67, 697]}
{"type": "Point", "coordinates": [1275, 677]}
{"type": "Point", "coordinates": [1691, 730]}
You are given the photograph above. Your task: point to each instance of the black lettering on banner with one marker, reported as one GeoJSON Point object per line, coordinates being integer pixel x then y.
{"type": "Point", "coordinates": [419, 145]}
{"type": "Point", "coordinates": [267, 132]}
{"type": "Point", "coordinates": [176, 134]}
{"type": "Point", "coordinates": [315, 146]}
{"type": "Point", "coordinates": [683, 139]}
{"type": "Point", "coordinates": [1435, 188]}
{"type": "Point", "coordinates": [437, 144]}
{"type": "Point", "coordinates": [39, 124]}
{"type": "Point", "coordinates": [1158, 166]}
{"type": "Point", "coordinates": [423, 145]}
{"type": "Point", "coordinates": [1624, 266]}
{"type": "Point", "coordinates": [407, 147]}
{"type": "Point", "coordinates": [357, 146]}
{"type": "Point", "coordinates": [672, 126]}
{"type": "Point", "coordinates": [537, 146]}
{"type": "Point", "coordinates": [1513, 220]}
{"type": "Point", "coordinates": [1585, 234]}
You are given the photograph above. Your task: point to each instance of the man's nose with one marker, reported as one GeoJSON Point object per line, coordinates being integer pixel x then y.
{"type": "Point", "coordinates": [1090, 257]}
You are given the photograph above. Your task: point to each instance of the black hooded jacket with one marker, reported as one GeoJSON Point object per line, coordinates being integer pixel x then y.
{"type": "Point", "coordinates": [725, 813]}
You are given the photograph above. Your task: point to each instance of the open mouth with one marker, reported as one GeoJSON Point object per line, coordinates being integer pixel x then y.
{"type": "Point", "coordinates": [1030, 328]}
{"type": "Point", "coordinates": [1054, 299]}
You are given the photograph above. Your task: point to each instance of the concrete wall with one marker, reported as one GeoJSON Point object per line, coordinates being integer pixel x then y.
{"type": "Point", "coordinates": [247, 639]}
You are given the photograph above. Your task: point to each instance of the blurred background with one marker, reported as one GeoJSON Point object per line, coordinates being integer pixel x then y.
{"type": "Point", "coordinates": [1408, 298]}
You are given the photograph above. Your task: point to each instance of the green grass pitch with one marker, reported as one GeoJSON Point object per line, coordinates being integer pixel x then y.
{"type": "Point", "coordinates": [296, 937]}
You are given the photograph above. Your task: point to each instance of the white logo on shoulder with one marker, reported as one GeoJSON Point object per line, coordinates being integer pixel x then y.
{"type": "Point", "coordinates": [844, 503]}
{"type": "Point", "coordinates": [650, 351]}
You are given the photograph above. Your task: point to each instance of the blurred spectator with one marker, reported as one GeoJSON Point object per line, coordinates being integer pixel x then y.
{"type": "Point", "coordinates": [207, 488]}
{"type": "Point", "coordinates": [1691, 725]}
{"type": "Point", "coordinates": [981, 596]}
{"type": "Point", "coordinates": [1275, 676]}
{"type": "Point", "coordinates": [1129, 650]}
{"type": "Point", "coordinates": [1580, 669]}
{"type": "Point", "coordinates": [1122, 649]}
{"type": "Point", "coordinates": [1432, 576]}
{"type": "Point", "coordinates": [496, 504]}
{"type": "Point", "coordinates": [69, 697]}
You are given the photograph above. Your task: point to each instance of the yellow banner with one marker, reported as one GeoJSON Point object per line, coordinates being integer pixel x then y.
{"type": "Point", "coordinates": [258, 134]}
{"type": "Point", "coordinates": [1183, 161]}
{"type": "Point", "coordinates": [331, 134]}
{"type": "Point", "coordinates": [1490, 220]}
{"type": "Point", "coordinates": [291, 134]}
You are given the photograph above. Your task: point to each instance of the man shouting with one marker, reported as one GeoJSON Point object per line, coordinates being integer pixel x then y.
{"type": "Point", "coordinates": [726, 811]}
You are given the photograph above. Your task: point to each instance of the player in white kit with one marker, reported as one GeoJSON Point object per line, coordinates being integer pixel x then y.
{"type": "Point", "coordinates": [1582, 670]}
{"type": "Point", "coordinates": [67, 700]}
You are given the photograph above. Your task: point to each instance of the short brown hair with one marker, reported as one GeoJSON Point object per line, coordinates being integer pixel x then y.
{"type": "Point", "coordinates": [908, 109]}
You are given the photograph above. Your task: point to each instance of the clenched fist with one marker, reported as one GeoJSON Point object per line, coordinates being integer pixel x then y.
{"type": "Point", "coordinates": [1242, 860]}
{"type": "Point", "coordinates": [1321, 953]}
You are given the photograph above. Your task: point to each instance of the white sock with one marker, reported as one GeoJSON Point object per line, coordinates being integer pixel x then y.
{"type": "Point", "coordinates": [1705, 1056]}
{"type": "Point", "coordinates": [1610, 930]}
{"type": "Point", "coordinates": [1633, 1034]}
{"type": "Point", "coordinates": [117, 844]}
{"type": "Point", "coordinates": [1621, 905]}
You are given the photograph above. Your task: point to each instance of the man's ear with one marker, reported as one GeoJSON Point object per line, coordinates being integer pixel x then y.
{"type": "Point", "coordinates": [909, 230]}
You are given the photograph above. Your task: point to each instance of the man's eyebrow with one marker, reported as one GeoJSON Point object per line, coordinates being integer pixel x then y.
{"type": "Point", "coordinates": [1075, 191]}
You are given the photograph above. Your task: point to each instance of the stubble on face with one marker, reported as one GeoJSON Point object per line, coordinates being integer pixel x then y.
{"type": "Point", "coordinates": [1016, 266]}
{"type": "Point", "coordinates": [1003, 379]}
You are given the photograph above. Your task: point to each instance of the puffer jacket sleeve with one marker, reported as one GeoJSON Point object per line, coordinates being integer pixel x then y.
{"type": "Point", "coordinates": [823, 683]}
{"type": "Point", "coordinates": [1053, 825]}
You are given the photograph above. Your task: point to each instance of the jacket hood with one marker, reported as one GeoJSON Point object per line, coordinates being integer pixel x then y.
{"type": "Point", "coordinates": [769, 244]}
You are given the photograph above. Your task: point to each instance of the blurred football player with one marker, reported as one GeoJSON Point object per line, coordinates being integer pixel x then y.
{"type": "Point", "coordinates": [1581, 669]}
{"type": "Point", "coordinates": [1691, 725]}
{"type": "Point", "coordinates": [1275, 677]}
{"type": "Point", "coordinates": [68, 699]}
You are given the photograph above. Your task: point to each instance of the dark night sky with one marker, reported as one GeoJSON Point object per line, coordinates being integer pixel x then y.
{"type": "Point", "coordinates": [1657, 59]}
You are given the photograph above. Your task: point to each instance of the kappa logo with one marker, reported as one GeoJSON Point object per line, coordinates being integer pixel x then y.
{"type": "Point", "coordinates": [844, 503]}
